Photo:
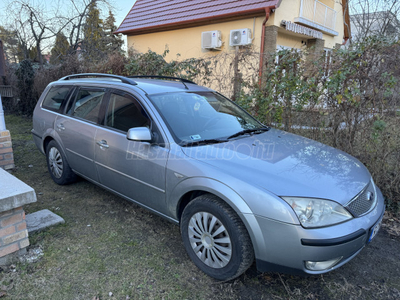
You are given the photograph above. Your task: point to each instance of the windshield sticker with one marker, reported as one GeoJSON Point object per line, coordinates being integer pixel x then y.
{"type": "Point", "coordinates": [197, 106]}
{"type": "Point", "coordinates": [195, 137]}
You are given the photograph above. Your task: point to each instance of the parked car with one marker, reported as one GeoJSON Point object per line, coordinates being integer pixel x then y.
{"type": "Point", "coordinates": [239, 190]}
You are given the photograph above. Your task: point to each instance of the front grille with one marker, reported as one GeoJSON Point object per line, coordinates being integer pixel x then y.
{"type": "Point", "coordinates": [363, 202]}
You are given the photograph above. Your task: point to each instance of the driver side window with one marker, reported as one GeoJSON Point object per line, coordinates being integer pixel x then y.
{"type": "Point", "coordinates": [125, 112]}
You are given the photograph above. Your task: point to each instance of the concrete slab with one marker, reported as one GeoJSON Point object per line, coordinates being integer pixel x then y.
{"type": "Point", "coordinates": [13, 192]}
{"type": "Point", "coordinates": [41, 220]}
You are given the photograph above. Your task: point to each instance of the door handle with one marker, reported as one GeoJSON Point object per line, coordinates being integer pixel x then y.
{"type": "Point", "coordinates": [60, 126]}
{"type": "Point", "coordinates": [102, 143]}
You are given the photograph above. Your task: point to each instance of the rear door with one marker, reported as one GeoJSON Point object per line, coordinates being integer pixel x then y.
{"type": "Point", "coordinates": [133, 169]}
{"type": "Point", "coordinates": [77, 129]}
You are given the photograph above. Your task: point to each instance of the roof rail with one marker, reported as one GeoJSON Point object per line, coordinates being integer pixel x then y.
{"type": "Point", "coordinates": [165, 77]}
{"type": "Point", "coordinates": [122, 78]}
{"type": "Point", "coordinates": [162, 77]}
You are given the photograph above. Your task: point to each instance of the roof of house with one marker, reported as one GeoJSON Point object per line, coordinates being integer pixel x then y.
{"type": "Point", "coordinates": [150, 16]}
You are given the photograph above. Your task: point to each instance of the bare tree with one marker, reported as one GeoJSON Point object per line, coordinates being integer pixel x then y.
{"type": "Point", "coordinates": [74, 22]}
{"type": "Point", "coordinates": [37, 22]}
{"type": "Point", "coordinates": [34, 23]}
{"type": "Point", "coordinates": [376, 17]}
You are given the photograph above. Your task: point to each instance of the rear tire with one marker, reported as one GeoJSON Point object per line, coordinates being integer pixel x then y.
{"type": "Point", "coordinates": [215, 238]}
{"type": "Point", "coordinates": [57, 164]}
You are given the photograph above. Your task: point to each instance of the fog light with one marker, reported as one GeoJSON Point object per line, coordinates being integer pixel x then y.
{"type": "Point", "coordinates": [322, 265]}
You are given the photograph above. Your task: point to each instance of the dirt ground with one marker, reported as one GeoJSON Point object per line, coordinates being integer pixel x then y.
{"type": "Point", "coordinates": [109, 248]}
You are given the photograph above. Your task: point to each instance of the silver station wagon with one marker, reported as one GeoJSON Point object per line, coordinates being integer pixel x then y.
{"type": "Point", "coordinates": [240, 191]}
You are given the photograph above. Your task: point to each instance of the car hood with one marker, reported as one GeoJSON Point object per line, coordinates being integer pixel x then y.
{"type": "Point", "coordinates": [287, 165]}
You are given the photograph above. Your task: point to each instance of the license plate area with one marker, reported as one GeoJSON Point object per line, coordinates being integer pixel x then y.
{"type": "Point", "coordinates": [374, 230]}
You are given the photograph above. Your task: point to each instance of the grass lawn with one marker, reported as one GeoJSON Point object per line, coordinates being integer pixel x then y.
{"type": "Point", "coordinates": [109, 248]}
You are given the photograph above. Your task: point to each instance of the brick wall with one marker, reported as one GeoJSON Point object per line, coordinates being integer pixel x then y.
{"type": "Point", "coordinates": [270, 39]}
{"type": "Point", "coordinates": [270, 42]}
{"type": "Point", "coordinates": [13, 232]}
{"type": "Point", "coordinates": [6, 151]}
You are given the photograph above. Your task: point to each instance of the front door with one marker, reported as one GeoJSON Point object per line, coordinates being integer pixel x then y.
{"type": "Point", "coordinates": [133, 169]}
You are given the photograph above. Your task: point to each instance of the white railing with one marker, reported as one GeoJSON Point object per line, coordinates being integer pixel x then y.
{"type": "Point", "coordinates": [318, 13]}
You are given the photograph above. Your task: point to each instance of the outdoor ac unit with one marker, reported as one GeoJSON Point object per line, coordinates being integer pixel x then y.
{"type": "Point", "coordinates": [240, 37]}
{"type": "Point", "coordinates": [211, 39]}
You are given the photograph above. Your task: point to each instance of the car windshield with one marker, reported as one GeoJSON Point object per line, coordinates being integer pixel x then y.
{"type": "Point", "coordinates": [202, 116]}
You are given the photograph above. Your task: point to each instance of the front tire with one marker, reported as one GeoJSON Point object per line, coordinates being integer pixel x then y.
{"type": "Point", "coordinates": [57, 164]}
{"type": "Point", "coordinates": [215, 238]}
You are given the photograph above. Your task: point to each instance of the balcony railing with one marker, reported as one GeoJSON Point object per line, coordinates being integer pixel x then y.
{"type": "Point", "coordinates": [318, 13]}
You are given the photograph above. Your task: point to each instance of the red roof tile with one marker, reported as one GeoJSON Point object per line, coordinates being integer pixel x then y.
{"type": "Point", "coordinates": [151, 15]}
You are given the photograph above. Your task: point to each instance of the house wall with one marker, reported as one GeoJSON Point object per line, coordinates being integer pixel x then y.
{"type": "Point", "coordinates": [187, 41]}
{"type": "Point", "coordinates": [290, 9]}
{"type": "Point", "coordinates": [330, 3]}
{"type": "Point", "coordinates": [331, 43]}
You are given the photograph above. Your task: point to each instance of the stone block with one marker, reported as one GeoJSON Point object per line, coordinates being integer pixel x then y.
{"type": "Point", "coordinates": [42, 219]}
{"type": "Point", "coordinates": [14, 192]}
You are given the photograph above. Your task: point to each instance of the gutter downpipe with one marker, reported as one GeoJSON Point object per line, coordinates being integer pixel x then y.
{"type": "Point", "coordinates": [267, 14]}
{"type": "Point", "coordinates": [2, 73]}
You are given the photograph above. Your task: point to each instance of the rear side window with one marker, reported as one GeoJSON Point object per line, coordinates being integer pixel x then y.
{"type": "Point", "coordinates": [56, 97]}
{"type": "Point", "coordinates": [87, 104]}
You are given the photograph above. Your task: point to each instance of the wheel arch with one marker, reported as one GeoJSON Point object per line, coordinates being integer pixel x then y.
{"type": "Point", "coordinates": [49, 136]}
{"type": "Point", "coordinates": [46, 141]}
{"type": "Point", "coordinates": [191, 188]}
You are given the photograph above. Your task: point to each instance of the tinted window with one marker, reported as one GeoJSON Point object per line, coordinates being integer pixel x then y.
{"type": "Point", "coordinates": [87, 104]}
{"type": "Point", "coordinates": [55, 97]}
{"type": "Point", "coordinates": [125, 112]}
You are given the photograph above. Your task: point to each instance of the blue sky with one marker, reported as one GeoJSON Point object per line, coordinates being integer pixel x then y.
{"type": "Point", "coordinates": [122, 7]}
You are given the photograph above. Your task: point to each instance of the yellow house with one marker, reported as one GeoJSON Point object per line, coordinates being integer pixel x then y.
{"type": "Point", "coordinates": [201, 28]}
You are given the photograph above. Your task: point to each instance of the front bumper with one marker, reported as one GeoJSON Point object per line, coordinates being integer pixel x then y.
{"type": "Point", "coordinates": [286, 247]}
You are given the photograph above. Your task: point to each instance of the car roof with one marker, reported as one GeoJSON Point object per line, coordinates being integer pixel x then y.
{"type": "Point", "coordinates": [156, 86]}
{"type": "Point", "coordinates": [147, 84]}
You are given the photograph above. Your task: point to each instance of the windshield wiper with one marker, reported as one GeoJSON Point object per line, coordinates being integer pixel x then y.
{"type": "Point", "coordinates": [204, 142]}
{"type": "Point", "coordinates": [248, 131]}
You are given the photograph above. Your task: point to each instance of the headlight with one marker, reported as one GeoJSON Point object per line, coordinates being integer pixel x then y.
{"type": "Point", "coordinates": [317, 212]}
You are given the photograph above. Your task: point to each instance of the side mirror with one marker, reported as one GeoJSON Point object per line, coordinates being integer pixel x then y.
{"type": "Point", "coordinates": [139, 134]}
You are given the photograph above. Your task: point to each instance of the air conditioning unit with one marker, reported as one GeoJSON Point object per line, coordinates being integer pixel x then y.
{"type": "Point", "coordinates": [211, 39]}
{"type": "Point", "coordinates": [240, 37]}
